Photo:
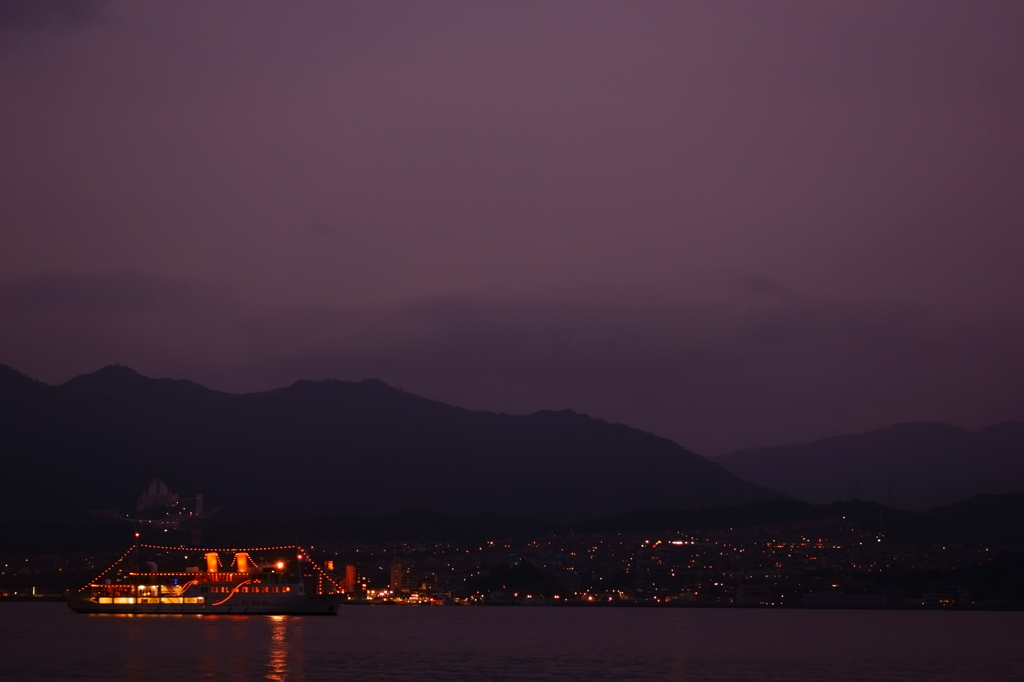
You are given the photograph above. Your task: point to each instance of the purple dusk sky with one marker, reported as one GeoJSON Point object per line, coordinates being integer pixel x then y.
{"type": "Point", "coordinates": [729, 223]}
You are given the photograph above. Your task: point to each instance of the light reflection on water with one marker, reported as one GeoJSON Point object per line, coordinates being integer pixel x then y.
{"type": "Point", "coordinates": [480, 644]}
{"type": "Point", "coordinates": [277, 659]}
{"type": "Point", "coordinates": [284, 653]}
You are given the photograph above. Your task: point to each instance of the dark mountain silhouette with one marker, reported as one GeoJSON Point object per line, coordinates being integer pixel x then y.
{"type": "Point", "coordinates": [328, 447]}
{"type": "Point", "coordinates": [758, 513]}
{"type": "Point", "coordinates": [982, 519]}
{"type": "Point", "coordinates": [913, 466]}
{"type": "Point", "coordinates": [986, 518]}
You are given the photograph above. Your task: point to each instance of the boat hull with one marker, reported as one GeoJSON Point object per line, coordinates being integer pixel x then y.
{"type": "Point", "coordinates": [300, 606]}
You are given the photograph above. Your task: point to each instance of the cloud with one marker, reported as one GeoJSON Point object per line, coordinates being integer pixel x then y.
{"type": "Point", "coordinates": [119, 291]}
{"type": "Point", "coordinates": [360, 173]}
{"type": "Point", "coordinates": [59, 324]}
{"type": "Point", "coordinates": [35, 15]}
{"type": "Point", "coordinates": [712, 377]}
{"type": "Point", "coordinates": [762, 285]}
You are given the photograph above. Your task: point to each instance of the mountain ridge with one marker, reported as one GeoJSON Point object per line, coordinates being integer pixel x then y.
{"type": "Point", "coordinates": [911, 465]}
{"type": "Point", "coordinates": [330, 446]}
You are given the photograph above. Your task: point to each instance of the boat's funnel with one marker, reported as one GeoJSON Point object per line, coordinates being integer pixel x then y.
{"type": "Point", "coordinates": [212, 562]}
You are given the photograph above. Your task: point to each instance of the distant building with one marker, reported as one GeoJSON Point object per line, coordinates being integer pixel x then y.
{"type": "Point", "coordinates": [156, 495]}
{"type": "Point", "coordinates": [947, 595]}
{"type": "Point", "coordinates": [403, 577]}
{"type": "Point", "coordinates": [351, 580]}
{"type": "Point", "coordinates": [753, 595]}
{"type": "Point", "coordinates": [837, 599]}
{"type": "Point", "coordinates": [158, 506]}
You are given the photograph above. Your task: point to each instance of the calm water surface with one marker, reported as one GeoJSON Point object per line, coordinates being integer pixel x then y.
{"type": "Point", "coordinates": [49, 642]}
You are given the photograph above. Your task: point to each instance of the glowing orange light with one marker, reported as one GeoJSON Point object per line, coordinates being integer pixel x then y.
{"type": "Point", "coordinates": [211, 562]}
{"type": "Point", "coordinates": [280, 565]}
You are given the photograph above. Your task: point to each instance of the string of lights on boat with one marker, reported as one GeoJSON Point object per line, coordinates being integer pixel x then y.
{"type": "Point", "coordinates": [302, 554]}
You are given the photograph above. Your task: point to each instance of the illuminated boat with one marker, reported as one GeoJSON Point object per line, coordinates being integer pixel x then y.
{"type": "Point", "coordinates": [153, 579]}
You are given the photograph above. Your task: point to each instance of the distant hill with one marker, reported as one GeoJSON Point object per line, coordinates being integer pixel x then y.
{"type": "Point", "coordinates": [327, 447]}
{"type": "Point", "coordinates": [982, 519]}
{"type": "Point", "coordinates": [991, 520]}
{"type": "Point", "coordinates": [986, 518]}
{"type": "Point", "coordinates": [915, 465]}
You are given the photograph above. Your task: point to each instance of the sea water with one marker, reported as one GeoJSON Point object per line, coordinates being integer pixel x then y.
{"type": "Point", "coordinates": [398, 643]}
